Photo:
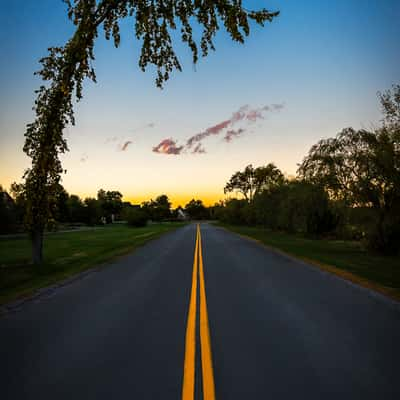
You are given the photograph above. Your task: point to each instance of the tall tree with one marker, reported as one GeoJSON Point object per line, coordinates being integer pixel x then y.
{"type": "Point", "coordinates": [110, 203]}
{"type": "Point", "coordinates": [65, 68]}
{"type": "Point", "coordinates": [252, 181]}
{"type": "Point", "coordinates": [363, 169]}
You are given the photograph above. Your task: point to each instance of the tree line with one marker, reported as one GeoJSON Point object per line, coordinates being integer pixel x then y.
{"type": "Point", "coordinates": [67, 210]}
{"type": "Point", "coordinates": [347, 187]}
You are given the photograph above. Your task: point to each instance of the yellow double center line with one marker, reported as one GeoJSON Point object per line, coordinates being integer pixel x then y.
{"type": "Point", "coordinates": [205, 342]}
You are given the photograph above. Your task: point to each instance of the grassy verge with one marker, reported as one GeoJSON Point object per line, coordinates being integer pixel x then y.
{"type": "Point", "coordinates": [344, 258]}
{"type": "Point", "coordinates": [66, 254]}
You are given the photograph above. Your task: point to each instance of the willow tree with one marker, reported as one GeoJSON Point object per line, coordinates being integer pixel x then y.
{"type": "Point", "coordinates": [65, 68]}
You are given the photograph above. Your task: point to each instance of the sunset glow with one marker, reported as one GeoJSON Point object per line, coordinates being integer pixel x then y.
{"type": "Point", "coordinates": [311, 72]}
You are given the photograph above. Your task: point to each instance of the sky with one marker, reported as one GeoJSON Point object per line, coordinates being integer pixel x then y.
{"type": "Point", "coordinates": [313, 71]}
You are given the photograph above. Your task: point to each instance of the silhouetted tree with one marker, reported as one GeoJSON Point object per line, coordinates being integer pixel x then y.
{"type": "Point", "coordinates": [93, 212]}
{"type": "Point", "coordinates": [8, 218]}
{"type": "Point", "coordinates": [110, 203]}
{"type": "Point", "coordinates": [252, 181]}
{"type": "Point", "coordinates": [76, 209]}
{"type": "Point", "coordinates": [196, 209]}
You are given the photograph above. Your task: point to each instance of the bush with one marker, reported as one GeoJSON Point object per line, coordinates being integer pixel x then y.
{"type": "Point", "coordinates": [384, 236]}
{"type": "Point", "coordinates": [136, 217]}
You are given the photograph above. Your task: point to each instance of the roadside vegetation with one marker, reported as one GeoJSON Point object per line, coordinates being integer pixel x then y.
{"type": "Point", "coordinates": [68, 253]}
{"type": "Point", "coordinates": [341, 210]}
{"type": "Point", "coordinates": [347, 187]}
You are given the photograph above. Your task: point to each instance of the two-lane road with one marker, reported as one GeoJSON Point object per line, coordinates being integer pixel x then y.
{"type": "Point", "coordinates": [276, 329]}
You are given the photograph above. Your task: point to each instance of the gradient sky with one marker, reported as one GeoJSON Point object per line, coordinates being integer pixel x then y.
{"type": "Point", "coordinates": [323, 61]}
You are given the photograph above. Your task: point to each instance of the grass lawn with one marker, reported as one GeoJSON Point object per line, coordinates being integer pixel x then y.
{"type": "Point", "coordinates": [345, 258]}
{"type": "Point", "coordinates": [67, 253]}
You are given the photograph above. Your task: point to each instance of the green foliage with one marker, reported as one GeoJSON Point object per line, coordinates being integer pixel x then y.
{"type": "Point", "coordinates": [159, 209]}
{"type": "Point", "coordinates": [136, 217]}
{"type": "Point", "coordinates": [8, 216]}
{"type": "Point", "coordinates": [362, 169]}
{"type": "Point", "coordinates": [251, 181]}
{"type": "Point", "coordinates": [234, 212]}
{"type": "Point", "coordinates": [76, 209]}
{"type": "Point", "coordinates": [110, 203]}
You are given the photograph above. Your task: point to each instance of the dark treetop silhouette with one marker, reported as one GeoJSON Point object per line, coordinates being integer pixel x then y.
{"type": "Point", "coordinates": [65, 69]}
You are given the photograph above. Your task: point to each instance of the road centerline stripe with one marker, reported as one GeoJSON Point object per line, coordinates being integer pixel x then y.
{"type": "Point", "coordinates": [205, 340]}
{"type": "Point", "coordinates": [190, 340]}
{"type": "Point", "coordinates": [189, 369]}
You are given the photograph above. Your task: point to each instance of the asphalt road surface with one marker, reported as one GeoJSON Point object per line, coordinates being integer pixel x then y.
{"type": "Point", "coordinates": [226, 318]}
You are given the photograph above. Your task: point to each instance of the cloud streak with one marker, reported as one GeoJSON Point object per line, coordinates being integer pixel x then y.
{"type": "Point", "coordinates": [233, 134]}
{"type": "Point", "coordinates": [168, 146]}
{"type": "Point", "coordinates": [125, 145]}
{"type": "Point", "coordinates": [244, 115]}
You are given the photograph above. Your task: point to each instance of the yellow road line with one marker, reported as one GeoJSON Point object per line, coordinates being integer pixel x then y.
{"type": "Point", "coordinates": [190, 342]}
{"type": "Point", "coordinates": [206, 357]}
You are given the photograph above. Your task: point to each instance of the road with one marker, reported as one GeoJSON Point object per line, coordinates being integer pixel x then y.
{"type": "Point", "coordinates": [225, 319]}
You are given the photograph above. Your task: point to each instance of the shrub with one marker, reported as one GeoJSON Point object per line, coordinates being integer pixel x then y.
{"type": "Point", "coordinates": [136, 217]}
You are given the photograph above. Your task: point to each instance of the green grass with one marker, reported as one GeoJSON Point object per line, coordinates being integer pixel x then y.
{"type": "Point", "coordinates": [67, 253]}
{"type": "Point", "coordinates": [345, 258]}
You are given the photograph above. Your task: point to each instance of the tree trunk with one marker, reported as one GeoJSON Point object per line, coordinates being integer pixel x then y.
{"type": "Point", "coordinates": [37, 246]}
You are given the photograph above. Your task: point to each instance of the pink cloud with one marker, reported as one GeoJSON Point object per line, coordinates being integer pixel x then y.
{"type": "Point", "coordinates": [232, 134]}
{"type": "Point", "coordinates": [199, 149]}
{"type": "Point", "coordinates": [168, 146]}
{"type": "Point", "coordinates": [244, 114]}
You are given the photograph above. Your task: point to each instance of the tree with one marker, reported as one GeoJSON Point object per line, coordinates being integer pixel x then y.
{"type": "Point", "coordinates": [110, 203]}
{"type": "Point", "coordinates": [92, 211]}
{"type": "Point", "coordinates": [60, 211]}
{"type": "Point", "coordinates": [158, 209]}
{"type": "Point", "coordinates": [8, 218]}
{"type": "Point", "coordinates": [76, 209]}
{"type": "Point", "coordinates": [362, 168]}
{"type": "Point", "coordinates": [196, 209]}
{"type": "Point", "coordinates": [252, 181]}
{"type": "Point", "coordinates": [136, 217]}
{"type": "Point", "coordinates": [18, 194]}
{"type": "Point", "coordinates": [65, 68]}
{"type": "Point", "coordinates": [162, 207]}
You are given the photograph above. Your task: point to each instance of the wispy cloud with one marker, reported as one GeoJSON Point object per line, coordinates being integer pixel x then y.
{"type": "Point", "coordinates": [199, 149]}
{"type": "Point", "coordinates": [233, 134]}
{"type": "Point", "coordinates": [84, 157]}
{"type": "Point", "coordinates": [125, 145]}
{"type": "Point", "coordinates": [244, 115]}
{"type": "Point", "coordinates": [213, 130]}
{"type": "Point", "coordinates": [168, 146]}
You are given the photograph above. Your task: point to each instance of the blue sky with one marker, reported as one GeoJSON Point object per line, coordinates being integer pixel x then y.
{"type": "Point", "coordinates": [323, 60]}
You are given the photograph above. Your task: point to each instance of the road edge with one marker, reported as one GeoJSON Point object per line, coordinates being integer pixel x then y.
{"type": "Point", "coordinates": [374, 290]}
{"type": "Point", "coordinates": [47, 291]}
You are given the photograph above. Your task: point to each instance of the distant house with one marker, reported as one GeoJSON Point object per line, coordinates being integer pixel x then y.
{"type": "Point", "coordinates": [181, 215]}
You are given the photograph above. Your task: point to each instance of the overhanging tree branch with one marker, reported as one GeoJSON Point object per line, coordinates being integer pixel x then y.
{"type": "Point", "coordinates": [65, 69]}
